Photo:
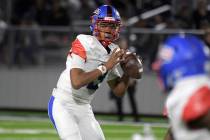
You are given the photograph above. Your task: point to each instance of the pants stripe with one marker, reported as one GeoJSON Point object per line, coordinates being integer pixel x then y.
{"type": "Point", "coordinates": [50, 107]}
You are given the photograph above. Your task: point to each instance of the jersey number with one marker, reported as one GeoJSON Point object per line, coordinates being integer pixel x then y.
{"type": "Point", "coordinates": [94, 85]}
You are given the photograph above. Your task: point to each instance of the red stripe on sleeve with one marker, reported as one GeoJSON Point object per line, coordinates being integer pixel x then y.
{"type": "Point", "coordinates": [198, 104]}
{"type": "Point", "coordinates": [78, 49]}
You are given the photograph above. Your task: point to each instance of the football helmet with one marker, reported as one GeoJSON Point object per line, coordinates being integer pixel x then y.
{"type": "Point", "coordinates": [105, 24]}
{"type": "Point", "coordinates": [181, 56]}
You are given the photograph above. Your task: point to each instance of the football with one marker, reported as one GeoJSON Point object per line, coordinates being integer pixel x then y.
{"type": "Point", "coordinates": [132, 66]}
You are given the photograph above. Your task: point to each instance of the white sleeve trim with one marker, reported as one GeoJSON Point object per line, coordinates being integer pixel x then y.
{"type": "Point", "coordinates": [75, 61]}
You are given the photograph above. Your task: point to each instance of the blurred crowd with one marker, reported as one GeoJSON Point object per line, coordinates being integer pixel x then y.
{"type": "Point", "coordinates": [184, 14]}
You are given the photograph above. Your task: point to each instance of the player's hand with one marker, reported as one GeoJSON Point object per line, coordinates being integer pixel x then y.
{"type": "Point", "coordinates": [125, 55]}
{"type": "Point", "coordinates": [115, 58]}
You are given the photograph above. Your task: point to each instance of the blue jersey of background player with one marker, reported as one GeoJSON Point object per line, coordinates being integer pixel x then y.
{"type": "Point", "coordinates": [183, 68]}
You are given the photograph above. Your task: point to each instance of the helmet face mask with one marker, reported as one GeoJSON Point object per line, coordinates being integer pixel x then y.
{"type": "Point", "coordinates": [106, 23]}
{"type": "Point", "coordinates": [107, 31]}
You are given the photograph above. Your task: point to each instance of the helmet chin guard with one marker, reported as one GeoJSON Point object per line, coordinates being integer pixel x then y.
{"type": "Point", "coordinates": [106, 24]}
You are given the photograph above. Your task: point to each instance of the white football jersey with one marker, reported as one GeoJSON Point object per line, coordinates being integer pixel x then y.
{"type": "Point", "coordinates": [86, 53]}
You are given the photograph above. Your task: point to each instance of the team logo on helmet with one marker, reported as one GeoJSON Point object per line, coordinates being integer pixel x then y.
{"type": "Point", "coordinates": [166, 53]}
{"type": "Point", "coordinates": [97, 11]}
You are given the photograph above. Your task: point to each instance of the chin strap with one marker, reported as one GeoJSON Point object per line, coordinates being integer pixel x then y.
{"type": "Point", "coordinates": [105, 43]}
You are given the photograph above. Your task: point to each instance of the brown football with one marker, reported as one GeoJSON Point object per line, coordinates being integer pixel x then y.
{"type": "Point", "coordinates": [132, 65]}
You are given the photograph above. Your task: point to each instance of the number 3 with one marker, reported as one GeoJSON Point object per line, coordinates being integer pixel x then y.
{"type": "Point", "coordinates": [94, 85]}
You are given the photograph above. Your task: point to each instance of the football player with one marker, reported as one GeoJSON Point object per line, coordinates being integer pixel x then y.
{"type": "Point", "coordinates": [91, 60]}
{"type": "Point", "coordinates": [183, 66]}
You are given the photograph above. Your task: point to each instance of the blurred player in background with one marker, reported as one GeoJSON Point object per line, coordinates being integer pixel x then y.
{"type": "Point", "coordinates": [92, 59]}
{"type": "Point", "coordinates": [183, 66]}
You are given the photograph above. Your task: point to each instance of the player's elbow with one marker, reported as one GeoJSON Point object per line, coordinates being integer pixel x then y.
{"type": "Point", "coordinates": [118, 93]}
{"type": "Point", "coordinates": [76, 79]}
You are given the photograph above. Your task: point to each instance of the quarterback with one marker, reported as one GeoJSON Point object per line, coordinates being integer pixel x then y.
{"type": "Point", "coordinates": [91, 60]}
{"type": "Point", "coordinates": [183, 66]}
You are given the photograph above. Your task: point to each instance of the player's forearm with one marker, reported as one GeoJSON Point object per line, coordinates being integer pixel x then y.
{"type": "Point", "coordinates": [84, 78]}
{"type": "Point", "coordinates": [121, 86]}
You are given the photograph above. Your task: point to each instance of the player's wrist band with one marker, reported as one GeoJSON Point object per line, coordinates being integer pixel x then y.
{"type": "Point", "coordinates": [102, 68]}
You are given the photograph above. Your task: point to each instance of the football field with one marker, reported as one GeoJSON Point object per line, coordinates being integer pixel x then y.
{"type": "Point", "coordinates": [40, 128]}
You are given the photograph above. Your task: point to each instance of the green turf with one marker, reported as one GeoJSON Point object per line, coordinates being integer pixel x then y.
{"type": "Point", "coordinates": [28, 128]}
{"type": "Point", "coordinates": [43, 130]}
{"type": "Point", "coordinates": [99, 117]}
